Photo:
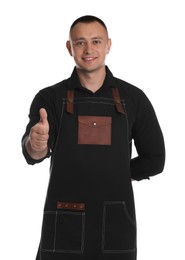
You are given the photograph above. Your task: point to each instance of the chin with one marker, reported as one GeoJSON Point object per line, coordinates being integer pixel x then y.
{"type": "Point", "coordinates": [90, 68]}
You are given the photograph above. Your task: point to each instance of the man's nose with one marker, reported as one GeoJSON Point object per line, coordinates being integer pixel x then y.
{"type": "Point", "coordinates": [88, 47]}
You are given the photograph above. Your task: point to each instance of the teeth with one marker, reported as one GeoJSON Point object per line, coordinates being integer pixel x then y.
{"type": "Point", "coordinates": [88, 58]}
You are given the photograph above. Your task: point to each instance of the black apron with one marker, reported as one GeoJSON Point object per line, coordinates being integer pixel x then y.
{"type": "Point", "coordinates": [89, 212]}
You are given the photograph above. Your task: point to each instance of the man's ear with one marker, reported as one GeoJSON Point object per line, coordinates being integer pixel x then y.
{"type": "Point", "coordinates": [68, 46]}
{"type": "Point", "coordinates": [109, 43]}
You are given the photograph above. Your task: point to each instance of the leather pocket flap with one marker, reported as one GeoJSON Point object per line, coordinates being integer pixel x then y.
{"type": "Point", "coordinates": [95, 121]}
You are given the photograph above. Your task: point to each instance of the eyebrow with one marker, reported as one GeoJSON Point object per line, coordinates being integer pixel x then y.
{"type": "Point", "coordinates": [93, 38]}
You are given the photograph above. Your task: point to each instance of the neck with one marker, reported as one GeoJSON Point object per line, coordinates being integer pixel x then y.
{"type": "Point", "coordinates": [92, 80]}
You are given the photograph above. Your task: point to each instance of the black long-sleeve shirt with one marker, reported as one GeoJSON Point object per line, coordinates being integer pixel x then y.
{"type": "Point", "coordinates": [144, 128]}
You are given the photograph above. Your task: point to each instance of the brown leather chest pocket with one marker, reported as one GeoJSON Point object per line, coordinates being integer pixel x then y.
{"type": "Point", "coordinates": [94, 130]}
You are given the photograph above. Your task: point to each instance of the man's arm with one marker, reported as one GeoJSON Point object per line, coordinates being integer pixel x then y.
{"type": "Point", "coordinates": [149, 142]}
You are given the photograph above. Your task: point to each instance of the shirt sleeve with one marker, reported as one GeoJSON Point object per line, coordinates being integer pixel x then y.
{"type": "Point", "coordinates": [39, 101]}
{"type": "Point", "coordinates": [148, 140]}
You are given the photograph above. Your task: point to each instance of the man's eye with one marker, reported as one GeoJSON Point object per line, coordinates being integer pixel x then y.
{"type": "Point", "coordinates": [96, 42]}
{"type": "Point", "coordinates": [80, 43]}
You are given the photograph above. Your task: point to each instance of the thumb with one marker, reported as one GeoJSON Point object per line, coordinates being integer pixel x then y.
{"type": "Point", "coordinates": [43, 116]}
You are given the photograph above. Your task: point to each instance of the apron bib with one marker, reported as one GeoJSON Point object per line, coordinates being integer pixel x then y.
{"type": "Point", "coordinates": [89, 211]}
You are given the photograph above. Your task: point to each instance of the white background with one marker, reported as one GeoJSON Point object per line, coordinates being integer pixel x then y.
{"type": "Point", "coordinates": [148, 51]}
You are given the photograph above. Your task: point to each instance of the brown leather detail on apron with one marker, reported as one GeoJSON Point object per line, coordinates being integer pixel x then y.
{"type": "Point", "coordinates": [94, 130]}
{"type": "Point", "coordinates": [70, 98]}
{"type": "Point", "coordinates": [116, 96]}
{"type": "Point", "coordinates": [70, 205]}
{"type": "Point", "coordinates": [117, 100]}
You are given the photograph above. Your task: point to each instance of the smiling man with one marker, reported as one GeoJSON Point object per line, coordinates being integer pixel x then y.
{"type": "Point", "coordinates": [86, 123]}
{"type": "Point", "coordinates": [89, 44]}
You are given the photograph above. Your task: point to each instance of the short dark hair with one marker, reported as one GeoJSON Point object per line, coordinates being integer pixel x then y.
{"type": "Point", "coordinates": [88, 19]}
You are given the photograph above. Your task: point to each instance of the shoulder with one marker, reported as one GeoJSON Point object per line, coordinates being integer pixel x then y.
{"type": "Point", "coordinates": [129, 89]}
{"type": "Point", "coordinates": [51, 97]}
{"type": "Point", "coordinates": [137, 103]}
{"type": "Point", "coordinates": [54, 91]}
{"type": "Point", "coordinates": [130, 93]}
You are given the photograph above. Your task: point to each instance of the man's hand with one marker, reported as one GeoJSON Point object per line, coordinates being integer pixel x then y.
{"type": "Point", "coordinates": [39, 133]}
{"type": "Point", "coordinates": [37, 141]}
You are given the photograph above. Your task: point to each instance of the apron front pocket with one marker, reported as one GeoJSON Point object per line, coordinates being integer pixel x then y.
{"type": "Point", "coordinates": [119, 229]}
{"type": "Point", "coordinates": [94, 130]}
{"type": "Point", "coordinates": [63, 231]}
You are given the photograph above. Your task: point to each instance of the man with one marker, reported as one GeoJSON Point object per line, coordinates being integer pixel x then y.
{"type": "Point", "coordinates": [86, 124]}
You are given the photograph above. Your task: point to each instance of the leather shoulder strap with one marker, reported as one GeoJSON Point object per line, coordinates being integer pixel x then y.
{"type": "Point", "coordinates": [116, 96]}
{"type": "Point", "coordinates": [117, 100]}
{"type": "Point", "coordinates": [70, 99]}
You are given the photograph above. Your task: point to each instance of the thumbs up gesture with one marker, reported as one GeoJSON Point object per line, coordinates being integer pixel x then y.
{"type": "Point", "coordinates": [39, 133]}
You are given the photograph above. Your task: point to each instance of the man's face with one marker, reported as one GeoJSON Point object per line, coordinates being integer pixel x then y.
{"type": "Point", "coordinates": [89, 45]}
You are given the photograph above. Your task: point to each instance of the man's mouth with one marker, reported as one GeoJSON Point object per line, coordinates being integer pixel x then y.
{"type": "Point", "coordinates": [89, 58]}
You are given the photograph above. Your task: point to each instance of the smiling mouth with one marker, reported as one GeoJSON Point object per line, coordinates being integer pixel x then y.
{"type": "Point", "coordinates": [89, 58]}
